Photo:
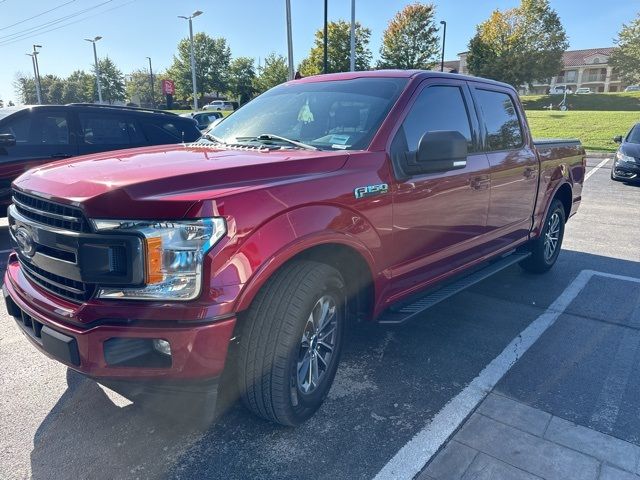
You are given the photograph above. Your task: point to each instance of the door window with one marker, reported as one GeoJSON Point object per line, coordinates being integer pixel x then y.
{"type": "Point", "coordinates": [99, 129]}
{"type": "Point", "coordinates": [39, 129]}
{"type": "Point", "coordinates": [501, 120]}
{"type": "Point", "coordinates": [440, 107]}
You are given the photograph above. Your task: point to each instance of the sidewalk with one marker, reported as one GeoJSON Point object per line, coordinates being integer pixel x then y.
{"type": "Point", "coordinates": [506, 439]}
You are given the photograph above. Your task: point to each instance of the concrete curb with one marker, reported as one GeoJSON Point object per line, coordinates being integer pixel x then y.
{"type": "Point", "coordinates": [600, 154]}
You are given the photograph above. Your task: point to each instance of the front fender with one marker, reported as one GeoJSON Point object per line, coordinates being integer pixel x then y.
{"type": "Point", "coordinates": [271, 245]}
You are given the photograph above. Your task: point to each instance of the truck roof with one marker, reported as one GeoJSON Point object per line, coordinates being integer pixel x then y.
{"type": "Point", "coordinates": [395, 74]}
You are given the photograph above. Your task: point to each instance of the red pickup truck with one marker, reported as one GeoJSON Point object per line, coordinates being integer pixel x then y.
{"type": "Point", "coordinates": [367, 196]}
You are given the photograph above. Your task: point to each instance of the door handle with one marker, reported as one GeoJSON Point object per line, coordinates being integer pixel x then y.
{"type": "Point", "coordinates": [61, 155]}
{"type": "Point", "coordinates": [530, 172]}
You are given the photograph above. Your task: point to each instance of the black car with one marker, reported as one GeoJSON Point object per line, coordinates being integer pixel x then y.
{"type": "Point", "coordinates": [32, 136]}
{"type": "Point", "coordinates": [204, 119]}
{"type": "Point", "coordinates": [626, 163]}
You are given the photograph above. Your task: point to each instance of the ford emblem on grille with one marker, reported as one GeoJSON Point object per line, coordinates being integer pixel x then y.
{"type": "Point", "coordinates": [25, 242]}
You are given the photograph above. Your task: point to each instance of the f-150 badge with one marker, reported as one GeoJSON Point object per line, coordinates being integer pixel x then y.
{"type": "Point", "coordinates": [370, 190]}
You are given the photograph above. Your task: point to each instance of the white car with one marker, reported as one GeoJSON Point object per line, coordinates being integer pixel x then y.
{"type": "Point", "coordinates": [219, 105]}
{"type": "Point", "coordinates": [583, 91]}
{"type": "Point", "coordinates": [632, 88]}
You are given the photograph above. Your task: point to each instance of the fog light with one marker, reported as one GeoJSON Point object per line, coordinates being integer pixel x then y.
{"type": "Point", "coordinates": [162, 346]}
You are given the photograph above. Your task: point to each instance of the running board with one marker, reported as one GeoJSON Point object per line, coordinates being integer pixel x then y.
{"type": "Point", "coordinates": [400, 315]}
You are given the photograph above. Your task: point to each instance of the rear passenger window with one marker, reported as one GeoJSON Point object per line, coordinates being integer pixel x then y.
{"type": "Point", "coordinates": [501, 120]}
{"type": "Point", "coordinates": [100, 129]}
{"type": "Point", "coordinates": [437, 108]}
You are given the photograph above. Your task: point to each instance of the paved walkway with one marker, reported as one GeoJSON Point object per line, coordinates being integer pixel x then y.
{"type": "Point", "coordinates": [506, 439]}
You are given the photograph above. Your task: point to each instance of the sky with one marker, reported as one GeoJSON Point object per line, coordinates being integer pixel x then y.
{"type": "Point", "coordinates": [135, 29]}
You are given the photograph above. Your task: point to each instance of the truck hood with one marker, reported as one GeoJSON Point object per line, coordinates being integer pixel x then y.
{"type": "Point", "coordinates": [140, 183]}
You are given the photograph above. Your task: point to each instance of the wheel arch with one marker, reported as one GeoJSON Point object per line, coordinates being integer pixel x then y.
{"type": "Point", "coordinates": [351, 259]}
{"type": "Point", "coordinates": [564, 193]}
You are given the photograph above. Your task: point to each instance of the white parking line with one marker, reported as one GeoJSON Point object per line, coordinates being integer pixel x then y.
{"type": "Point", "coordinates": [410, 459]}
{"type": "Point", "coordinates": [596, 168]}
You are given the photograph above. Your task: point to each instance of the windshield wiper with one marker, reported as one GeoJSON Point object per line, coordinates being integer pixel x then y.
{"type": "Point", "coordinates": [278, 138]}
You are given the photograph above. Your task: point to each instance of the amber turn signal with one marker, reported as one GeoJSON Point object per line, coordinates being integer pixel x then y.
{"type": "Point", "coordinates": [154, 260]}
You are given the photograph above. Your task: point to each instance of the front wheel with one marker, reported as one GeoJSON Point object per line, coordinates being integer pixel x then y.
{"type": "Point", "coordinates": [546, 248]}
{"type": "Point", "coordinates": [291, 341]}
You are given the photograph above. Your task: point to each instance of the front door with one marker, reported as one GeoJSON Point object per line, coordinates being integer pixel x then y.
{"type": "Point", "coordinates": [439, 218]}
{"type": "Point", "coordinates": [42, 135]}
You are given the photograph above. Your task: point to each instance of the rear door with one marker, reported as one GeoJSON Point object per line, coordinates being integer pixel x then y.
{"type": "Point", "coordinates": [514, 165]}
{"type": "Point", "coordinates": [103, 131]}
{"type": "Point", "coordinates": [439, 218]}
{"type": "Point", "coordinates": [42, 135]}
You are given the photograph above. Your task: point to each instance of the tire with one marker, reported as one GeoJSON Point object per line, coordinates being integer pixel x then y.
{"type": "Point", "coordinates": [283, 341]}
{"type": "Point", "coordinates": [544, 252]}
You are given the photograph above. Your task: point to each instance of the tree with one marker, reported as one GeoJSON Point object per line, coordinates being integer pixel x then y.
{"type": "Point", "coordinates": [241, 77]}
{"type": "Point", "coordinates": [274, 72]}
{"type": "Point", "coordinates": [138, 88]}
{"type": "Point", "coordinates": [410, 40]}
{"type": "Point", "coordinates": [519, 45]}
{"type": "Point", "coordinates": [626, 57]}
{"type": "Point", "coordinates": [51, 88]}
{"type": "Point", "coordinates": [111, 81]}
{"type": "Point", "coordinates": [338, 49]}
{"type": "Point", "coordinates": [78, 87]}
{"type": "Point", "coordinates": [212, 55]}
{"type": "Point", "coordinates": [25, 88]}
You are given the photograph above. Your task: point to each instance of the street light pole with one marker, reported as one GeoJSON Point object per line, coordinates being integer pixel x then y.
{"type": "Point", "coordinates": [33, 62]}
{"type": "Point", "coordinates": [352, 63]}
{"type": "Point", "coordinates": [325, 60]}
{"type": "Point", "coordinates": [95, 58]}
{"type": "Point", "coordinates": [37, 72]}
{"type": "Point", "coordinates": [289, 40]}
{"type": "Point", "coordinates": [444, 39]}
{"type": "Point", "coordinates": [153, 100]}
{"type": "Point", "coordinates": [193, 58]}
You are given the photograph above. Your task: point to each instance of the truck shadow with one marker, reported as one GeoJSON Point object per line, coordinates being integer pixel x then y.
{"type": "Point", "coordinates": [391, 382]}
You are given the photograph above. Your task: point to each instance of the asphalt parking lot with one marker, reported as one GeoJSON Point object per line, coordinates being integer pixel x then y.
{"type": "Point", "coordinates": [391, 384]}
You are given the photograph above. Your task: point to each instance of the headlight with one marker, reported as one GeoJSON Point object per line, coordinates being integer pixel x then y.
{"type": "Point", "coordinates": [621, 157]}
{"type": "Point", "coordinates": [173, 256]}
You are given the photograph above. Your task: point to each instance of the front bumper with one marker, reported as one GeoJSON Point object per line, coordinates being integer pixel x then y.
{"type": "Point", "coordinates": [198, 350]}
{"type": "Point", "coordinates": [625, 171]}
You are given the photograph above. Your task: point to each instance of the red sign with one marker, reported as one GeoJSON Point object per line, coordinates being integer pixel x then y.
{"type": "Point", "coordinates": [168, 87]}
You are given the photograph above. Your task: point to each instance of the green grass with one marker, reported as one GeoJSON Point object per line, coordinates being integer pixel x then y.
{"type": "Point", "coordinates": [594, 129]}
{"type": "Point", "coordinates": [626, 101]}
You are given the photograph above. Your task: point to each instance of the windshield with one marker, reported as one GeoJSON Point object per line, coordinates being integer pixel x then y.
{"type": "Point", "coordinates": [326, 115]}
{"type": "Point", "coordinates": [634, 135]}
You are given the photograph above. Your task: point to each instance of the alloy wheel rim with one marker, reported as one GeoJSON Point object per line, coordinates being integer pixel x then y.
{"type": "Point", "coordinates": [552, 236]}
{"type": "Point", "coordinates": [317, 344]}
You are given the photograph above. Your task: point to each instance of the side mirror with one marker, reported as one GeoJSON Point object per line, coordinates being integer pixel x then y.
{"type": "Point", "coordinates": [618, 139]}
{"type": "Point", "coordinates": [7, 140]}
{"type": "Point", "coordinates": [438, 151]}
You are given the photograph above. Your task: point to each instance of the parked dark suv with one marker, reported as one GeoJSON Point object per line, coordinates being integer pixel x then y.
{"type": "Point", "coordinates": [31, 136]}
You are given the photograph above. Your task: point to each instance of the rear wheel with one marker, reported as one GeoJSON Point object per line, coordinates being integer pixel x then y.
{"type": "Point", "coordinates": [291, 342]}
{"type": "Point", "coordinates": [546, 248]}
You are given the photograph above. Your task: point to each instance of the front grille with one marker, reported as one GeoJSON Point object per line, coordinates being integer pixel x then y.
{"type": "Point", "coordinates": [61, 286]}
{"type": "Point", "coordinates": [50, 213]}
